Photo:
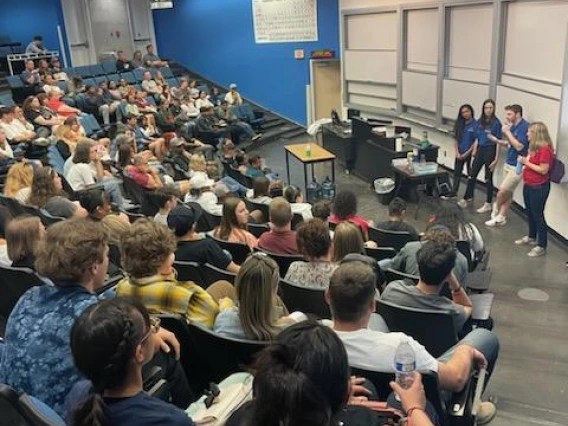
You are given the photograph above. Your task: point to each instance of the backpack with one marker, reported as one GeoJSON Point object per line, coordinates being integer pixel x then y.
{"type": "Point", "coordinates": [557, 171]}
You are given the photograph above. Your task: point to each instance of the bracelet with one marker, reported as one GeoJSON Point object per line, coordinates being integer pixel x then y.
{"type": "Point", "coordinates": [410, 410]}
{"type": "Point", "coordinates": [457, 290]}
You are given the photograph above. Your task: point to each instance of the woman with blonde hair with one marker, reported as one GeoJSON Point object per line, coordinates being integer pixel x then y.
{"type": "Point", "coordinates": [23, 235]}
{"type": "Point", "coordinates": [233, 227]}
{"type": "Point", "coordinates": [259, 315]}
{"type": "Point", "coordinates": [347, 239]}
{"type": "Point", "coordinates": [536, 177]}
{"type": "Point", "coordinates": [19, 181]}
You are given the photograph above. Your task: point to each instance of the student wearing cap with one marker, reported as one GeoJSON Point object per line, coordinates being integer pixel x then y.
{"type": "Point", "coordinates": [202, 193]}
{"type": "Point", "coordinates": [194, 247]}
{"type": "Point", "coordinates": [233, 97]}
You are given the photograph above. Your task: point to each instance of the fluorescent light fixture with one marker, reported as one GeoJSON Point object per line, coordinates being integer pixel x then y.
{"type": "Point", "coordinates": [162, 5]}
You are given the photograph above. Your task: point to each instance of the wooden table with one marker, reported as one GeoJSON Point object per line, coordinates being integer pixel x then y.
{"type": "Point", "coordinates": [402, 173]}
{"type": "Point", "coordinates": [318, 155]}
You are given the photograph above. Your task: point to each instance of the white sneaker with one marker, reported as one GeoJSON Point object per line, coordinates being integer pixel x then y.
{"type": "Point", "coordinates": [486, 412]}
{"type": "Point", "coordinates": [494, 211]}
{"type": "Point", "coordinates": [463, 203]}
{"type": "Point", "coordinates": [485, 208]}
{"type": "Point", "coordinates": [496, 221]}
{"type": "Point", "coordinates": [526, 240]}
{"type": "Point", "coordinates": [537, 252]}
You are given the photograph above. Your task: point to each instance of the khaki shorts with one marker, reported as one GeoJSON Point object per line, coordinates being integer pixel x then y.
{"type": "Point", "coordinates": [511, 180]}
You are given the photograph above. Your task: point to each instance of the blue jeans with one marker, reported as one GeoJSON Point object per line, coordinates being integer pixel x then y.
{"type": "Point", "coordinates": [535, 200]}
{"type": "Point", "coordinates": [234, 186]}
{"type": "Point", "coordinates": [113, 191]}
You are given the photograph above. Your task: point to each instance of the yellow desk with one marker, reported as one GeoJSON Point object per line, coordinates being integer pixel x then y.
{"type": "Point", "coordinates": [317, 155]}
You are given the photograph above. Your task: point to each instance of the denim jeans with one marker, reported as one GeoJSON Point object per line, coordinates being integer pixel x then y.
{"type": "Point", "coordinates": [535, 200]}
{"type": "Point", "coordinates": [485, 156]}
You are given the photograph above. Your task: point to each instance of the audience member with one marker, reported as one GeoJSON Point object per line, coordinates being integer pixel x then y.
{"type": "Point", "coordinates": [202, 193]}
{"type": "Point", "coordinates": [397, 213]}
{"type": "Point", "coordinates": [254, 168]}
{"type": "Point", "coordinates": [347, 239]}
{"type": "Point", "coordinates": [260, 191]}
{"type": "Point", "coordinates": [295, 197]}
{"type": "Point", "coordinates": [226, 113]}
{"type": "Point", "coordinates": [234, 222]}
{"type": "Point", "coordinates": [260, 314]}
{"type": "Point", "coordinates": [55, 103]}
{"type": "Point", "coordinates": [150, 86]}
{"type": "Point", "coordinates": [36, 45]}
{"type": "Point", "coordinates": [233, 97]}
{"type": "Point", "coordinates": [6, 153]}
{"type": "Point", "coordinates": [44, 122]}
{"type": "Point", "coordinates": [203, 101]}
{"type": "Point", "coordinates": [406, 259]}
{"type": "Point", "coordinates": [194, 247]}
{"type": "Point", "coordinates": [344, 208]}
{"type": "Point", "coordinates": [95, 104]}
{"type": "Point", "coordinates": [436, 260]}
{"type": "Point", "coordinates": [145, 176]}
{"type": "Point", "coordinates": [166, 198]}
{"type": "Point", "coordinates": [30, 75]}
{"type": "Point", "coordinates": [137, 61]}
{"type": "Point", "coordinates": [122, 62]}
{"type": "Point", "coordinates": [352, 300]}
{"type": "Point", "coordinates": [22, 236]}
{"type": "Point", "coordinates": [314, 243]}
{"type": "Point", "coordinates": [280, 239]}
{"type": "Point", "coordinates": [111, 342]}
{"type": "Point", "coordinates": [47, 193]}
{"type": "Point", "coordinates": [151, 59]}
{"type": "Point", "coordinates": [19, 180]}
{"type": "Point", "coordinates": [98, 206]}
{"type": "Point", "coordinates": [147, 256]}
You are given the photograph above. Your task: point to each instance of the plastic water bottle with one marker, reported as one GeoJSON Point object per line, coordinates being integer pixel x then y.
{"type": "Point", "coordinates": [308, 150]}
{"type": "Point", "coordinates": [328, 189]}
{"type": "Point", "coordinates": [314, 191]}
{"type": "Point", "coordinates": [404, 363]}
{"type": "Point", "coordinates": [519, 168]}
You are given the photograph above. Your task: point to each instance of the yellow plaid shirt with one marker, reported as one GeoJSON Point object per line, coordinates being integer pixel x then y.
{"type": "Point", "coordinates": [165, 294]}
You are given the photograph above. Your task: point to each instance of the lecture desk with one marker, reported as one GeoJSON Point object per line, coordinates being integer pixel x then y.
{"type": "Point", "coordinates": [317, 155]}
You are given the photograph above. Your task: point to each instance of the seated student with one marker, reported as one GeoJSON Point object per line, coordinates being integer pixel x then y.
{"type": "Point", "coordinates": [344, 208]}
{"type": "Point", "coordinates": [87, 169]}
{"type": "Point", "coordinates": [97, 203]}
{"type": "Point", "coordinates": [19, 180]}
{"type": "Point", "coordinates": [202, 193]}
{"type": "Point", "coordinates": [30, 75]}
{"type": "Point", "coordinates": [322, 210]}
{"type": "Point", "coordinates": [406, 259]}
{"type": "Point", "coordinates": [194, 247]}
{"type": "Point", "coordinates": [36, 45]}
{"type": "Point", "coordinates": [166, 198]}
{"type": "Point", "coordinates": [203, 101]}
{"type": "Point", "coordinates": [111, 342]}
{"type": "Point", "coordinates": [145, 134]}
{"type": "Point", "coordinates": [37, 356]}
{"type": "Point", "coordinates": [397, 212]}
{"type": "Point", "coordinates": [22, 237]}
{"type": "Point", "coordinates": [261, 191]}
{"type": "Point", "coordinates": [233, 97]}
{"type": "Point", "coordinates": [314, 243]}
{"type": "Point", "coordinates": [47, 193]}
{"type": "Point", "coordinates": [254, 167]}
{"type": "Point", "coordinates": [260, 314]}
{"type": "Point", "coordinates": [351, 296]}
{"type": "Point", "coordinates": [347, 239]}
{"type": "Point", "coordinates": [234, 222]}
{"type": "Point", "coordinates": [151, 86]}
{"type": "Point", "coordinates": [145, 176]}
{"type": "Point", "coordinates": [15, 132]}
{"type": "Point", "coordinates": [44, 122]}
{"type": "Point", "coordinates": [147, 256]}
{"type": "Point", "coordinates": [435, 263]}
{"type": "Point", "coordinates": [122, 62]}
{"type": "Point", "coordinates": [94, 103]}
{"type": "Point", "coordinates": [280, 239]}
{"type": "Point", "coordinates": [226, 113]}
{"type": "Point", "coordinates": [55, 103]}
{"type": "Point", "coordinates": [295, 197]}
{"type": "Point", "coordinates": [150, 59]}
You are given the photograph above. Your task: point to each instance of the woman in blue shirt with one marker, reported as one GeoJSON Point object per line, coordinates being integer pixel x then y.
{"type": "Point", "coordinates": [465, 134]}
{"type": "Point", "coordinates": [486, 155]}
{"type": "Point", "coordinates": [111, 341]}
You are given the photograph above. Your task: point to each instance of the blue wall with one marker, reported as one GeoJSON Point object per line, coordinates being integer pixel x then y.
{"type": "Point", "coordinates": [216, 40]}
{"type": "Point", "coordinates": [22, 19]}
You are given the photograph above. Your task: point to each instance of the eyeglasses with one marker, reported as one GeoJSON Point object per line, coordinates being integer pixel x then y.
{"type": "Point", "coordinates": [154, 328]}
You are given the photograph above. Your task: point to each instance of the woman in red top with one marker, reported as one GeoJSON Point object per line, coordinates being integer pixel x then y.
{"type": "Point", "coordinates": [536, 176]}
{"type": "Point", "coordinates": [345, 209]}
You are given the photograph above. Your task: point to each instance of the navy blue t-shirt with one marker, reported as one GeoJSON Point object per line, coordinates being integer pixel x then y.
{"type": "Point", "coordinates": [494, 128]}
{"type": "Point", "coordinates": [520, 133]}
{"type": "Point", "coordinates": [468, 137]}
{"type": "Point", "coordinates": [143, 410]}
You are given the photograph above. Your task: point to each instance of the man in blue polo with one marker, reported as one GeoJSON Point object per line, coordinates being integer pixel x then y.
{"type": "Point", "coordinates": [515, 138]}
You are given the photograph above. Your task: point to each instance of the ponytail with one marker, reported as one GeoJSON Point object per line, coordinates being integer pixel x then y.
{"type": "Point", "coordinates": [91, 412]}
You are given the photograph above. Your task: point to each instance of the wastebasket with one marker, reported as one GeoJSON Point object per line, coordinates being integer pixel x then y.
{"type": "Point", "coordinates": [384, 187]}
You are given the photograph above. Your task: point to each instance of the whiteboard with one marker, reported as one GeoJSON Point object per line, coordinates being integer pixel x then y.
{"type": "Point", "coordinates": [469, 53]}
{"type": "Point", "coordinates": [368, 65]}
{"type": "Point", "coordinates": [422, 40]}
{"type": "Point", "coordinates": [419, 90]}
{"type": "Point", "coordinates": [285, 21]}
{"type": "Point", "coordinates": [457, 93]}
{"type": "Point", "coordinates": [535, 39]}
{"type": "Point", "coordinates": [370, 89]}
{"type": "Point", "coordinates": [373, 31]}
{"type": "Point", "coordinates": [535, 108]}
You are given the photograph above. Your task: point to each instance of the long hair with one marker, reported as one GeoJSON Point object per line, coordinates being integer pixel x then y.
{"type": "Point", "coordinates": [347, 239]}
{"type": "Point", "coordinates": [302, 379]}
{"type": "Point", "coordinates": [229, 219]}
{"type": "Point", "coordinates": [43, 187]}
{"type": "Point", "coordinates": [460, 122]}
{"type": "Point", "coordinates": [27, 105]}
{"type": "Point", "coordinates": [452, 216]}
{"type": "Point", "coordinates": [484, 120]}
{"type": "Point", "coordinates": [20, 175]}
{"type": "Point", "coordinates": [22, 237]}
{"type": "Point", "coordinates": [541, 136]}
{"type": "Point", "coordinates": [83, 152]}
{"type": "Point", "coordinates": [256, 285]}
{"type": "Point", "coordinates": [104, 339]}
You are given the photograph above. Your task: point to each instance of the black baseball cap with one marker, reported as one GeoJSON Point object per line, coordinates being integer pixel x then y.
{"type": "Point", "coordinates": [182, 218]}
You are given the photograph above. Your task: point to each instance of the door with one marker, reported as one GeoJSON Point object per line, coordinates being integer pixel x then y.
{"type": "Point", "coordinates": [326, 87]}
{"type": "Point", "coordinates": [110, 21]}
{"type": "Point", "coordinates": [142, 24]}
{"type": "Point", "coordinates": [78, 29]}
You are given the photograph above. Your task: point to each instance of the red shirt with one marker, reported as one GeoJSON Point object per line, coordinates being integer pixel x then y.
{"type": "Point", "coordinates": [55, 104]}
{"type": "Point", "coordinates": [544, 155]}
{"type": "Point", "coordinates": [141, 178]}
{"type": "Point", "coordinates": [357, 220]}
{"type": "Point", "coordinates": [279, 242]}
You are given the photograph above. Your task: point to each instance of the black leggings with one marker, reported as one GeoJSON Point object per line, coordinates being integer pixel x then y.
{"type": "Point", "coordinates": [485, 156]}
{"type": "Point", "coordinates": [458, 171]}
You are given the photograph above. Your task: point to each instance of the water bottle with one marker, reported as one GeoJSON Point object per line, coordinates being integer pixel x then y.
{"type": "Point", "coordinates": [404, 363]}
{"type": "Point", "coordinates": [308, 150]}
{"type": "Point", "coordinates": [328, 189]}
{"type": "Point", "coordinates": [424, 143]}
{"type": "Point", "coordinates": [519, 168]}
{"type": "Point", "coordinates": [314, 191]}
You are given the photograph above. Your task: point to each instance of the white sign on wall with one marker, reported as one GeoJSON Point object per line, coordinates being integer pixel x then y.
{"type": "Point", "coordinates": [282, 21]}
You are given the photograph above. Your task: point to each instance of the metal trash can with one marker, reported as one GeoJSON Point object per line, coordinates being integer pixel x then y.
{"type": "Point", "coordinates": [384, 187]}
